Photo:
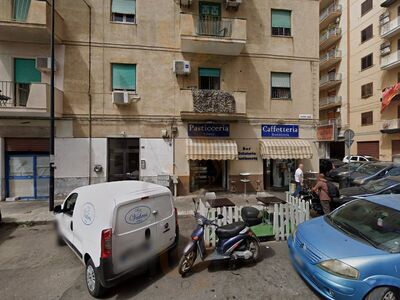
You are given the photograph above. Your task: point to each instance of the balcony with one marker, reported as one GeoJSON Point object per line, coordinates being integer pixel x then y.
{"type": "Point", "coordinates": [212, 105]}
{"type": "Point", "coordinates": [330, 80]}
{"type": "Point", "coordinates": [387, 3]}
{"type": "Point", "coordinates": [329, 37]}
{"type": "Point", "coordinates": [391, 126]}
{"type": "Point", "coordinates": [329, 59]}
{"type": "Point", "coordinates": [29, 22]}
{"type": "Point", "coordinates": [210, 35]}
{"type": "Point", "coordinates": [330, 102]}
{"type": "Point", "coordinates": [391, 28]}
{"type": "Point", "coordinates": [329, 15]}
{"type": "Point", "coordinates": [336, 121]}
{"type": "Point", "coordinates": [28, 100]}
{"type": "Point", "coordinates": [390, 61]}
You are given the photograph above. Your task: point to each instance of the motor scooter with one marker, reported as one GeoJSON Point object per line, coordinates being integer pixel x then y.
{"type": "Point", "coordinates": [235, 241]}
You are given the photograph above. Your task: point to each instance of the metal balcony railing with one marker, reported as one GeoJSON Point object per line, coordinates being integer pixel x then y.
{"type": "Point", "coordinates": [337, 122]}
{"type": "Point", "coordinates": [334, 53]}
{"type": "Point", "coordinates": [391, 59]}
{"type": "Point", "coordinates": [330, 77]}
{"type": "Point", "coordinates": [214, 26]}
{"type": "Point", "coordinates": [330, 9]}
{"type": "Point", "coordinates": [14, 94]}
{"type": "Point", "coordinates": [335, 31]}
{"type": "Point", "coordinates": [330, 101]}
{"type": "Point", "coordinates": [390, 27]}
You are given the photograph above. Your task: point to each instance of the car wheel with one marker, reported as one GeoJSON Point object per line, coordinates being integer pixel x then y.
{"type": "Point", "coordinates": [383, 293]}
{"type": "Point", "coordinates": [92, 280]}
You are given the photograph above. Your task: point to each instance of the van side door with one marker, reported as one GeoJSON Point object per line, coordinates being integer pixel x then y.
{"type": "Point", "coordinates": [65, 219]}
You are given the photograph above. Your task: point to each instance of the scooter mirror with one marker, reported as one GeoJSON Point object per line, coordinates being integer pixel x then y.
{"type": "Point", "coordinates": [220, 217]}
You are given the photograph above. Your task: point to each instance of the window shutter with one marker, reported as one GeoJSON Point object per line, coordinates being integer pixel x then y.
{"type": "Point", "coordinates": [21, 9]}
{"type": "Point", "coordinates": [210, 72]}
{"type": "Point", "coordinates": [126, 7]}
{"type": "Point", "coordinates": [280, 80]}
{"type": "Point", "coordinates": [124, 77]}
{"type": "Point", "coordinates": [281, 18]}
{"type": "Point", "coordinates": [25, 71]}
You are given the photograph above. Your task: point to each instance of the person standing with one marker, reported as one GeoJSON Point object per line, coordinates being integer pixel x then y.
{"type": "Point", "coordinates": [298, 178]}
{"type": "Point", "coordinates": [322, 189]}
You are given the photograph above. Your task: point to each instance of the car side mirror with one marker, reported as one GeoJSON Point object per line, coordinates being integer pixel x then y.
{"type": "Point", "coordinates": [220, 217]}
{"type": "Point", "coordinates": [58, 209]}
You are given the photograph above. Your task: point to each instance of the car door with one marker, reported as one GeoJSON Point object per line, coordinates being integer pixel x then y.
{"type": "Point", "coordinates": [65, 219]}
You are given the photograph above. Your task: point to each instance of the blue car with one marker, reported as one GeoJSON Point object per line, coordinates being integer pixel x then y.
{"type": "Point", "coordinates": [352, 253]}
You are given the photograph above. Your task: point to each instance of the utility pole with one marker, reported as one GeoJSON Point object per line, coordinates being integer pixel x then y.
{"type": "Point", "coordinates": [52, 121]}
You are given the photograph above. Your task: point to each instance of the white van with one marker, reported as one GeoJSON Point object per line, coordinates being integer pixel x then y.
{"type": "Point", "coordinates": [116, 228]}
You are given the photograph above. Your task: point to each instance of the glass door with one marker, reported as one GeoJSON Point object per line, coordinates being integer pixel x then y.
{"type": "Point", "coordinates": [123, 159]}
{"type": "Point", "coordinates": [209, 19]}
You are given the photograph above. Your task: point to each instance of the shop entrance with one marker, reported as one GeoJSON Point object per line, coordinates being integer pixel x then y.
{"type": "Point", "coordinates": [208, 174]}
{"type": "Point", "coordinates": [278, 173]}
{"type": "Point", "coordinates": [123, 159]}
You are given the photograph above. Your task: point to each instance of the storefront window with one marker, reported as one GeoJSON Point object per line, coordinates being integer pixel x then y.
{"type": "Point", "coordinates": [207, 174]}
{"type": "Point", "coordinates": [278, 173]}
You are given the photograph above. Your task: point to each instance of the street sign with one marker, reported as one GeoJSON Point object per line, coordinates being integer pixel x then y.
{"type": "Point", "coordinates": [348, 143]}
{"type": "Point", "coordinates": [349, 134]}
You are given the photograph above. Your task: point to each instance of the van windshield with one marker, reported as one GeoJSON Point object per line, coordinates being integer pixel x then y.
{"type": "Point", "coordinates": [372, 223]}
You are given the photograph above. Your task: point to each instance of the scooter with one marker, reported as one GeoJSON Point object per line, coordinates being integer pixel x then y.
{"type": "Point", "coordinates": [235, 241]}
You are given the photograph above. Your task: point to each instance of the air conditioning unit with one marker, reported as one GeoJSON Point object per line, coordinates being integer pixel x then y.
{"type": "Point", "coordinates": [124, 97]}
{"type": "Point", "coordinates": [233, 3]}
{"type": "Point", "coordinates": [186, 2]}
{"type": "Point", "coordinates": [44, 64]}
{"type": "Point", "coordinates": [181, 67]}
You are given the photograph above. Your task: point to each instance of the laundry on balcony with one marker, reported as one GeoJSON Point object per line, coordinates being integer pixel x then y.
{"type": "Point", "coordinates": [388, 95]}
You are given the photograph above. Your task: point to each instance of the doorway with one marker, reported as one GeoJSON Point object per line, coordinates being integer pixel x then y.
{"type": "Point", "coordinates": [278, 173]}
{"type": "Point", "coordinates": [123, 159]}
{"type": "Point", "coordinates": [208, 174]}
{"type": "Point", "coordinates": [209, 79]}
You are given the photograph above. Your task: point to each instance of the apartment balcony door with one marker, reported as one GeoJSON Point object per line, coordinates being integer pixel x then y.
{"type": "Point", "coordinates": [209, 79]}
{"type": "Point", "coordinates": [123, 159]}
{"type": "Point", "coordinates": [25, 73]}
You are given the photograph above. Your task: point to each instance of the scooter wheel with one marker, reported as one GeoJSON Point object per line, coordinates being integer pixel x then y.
{"type": "Point", "coordinates": [254, 247]}
{"type": "Point", "coordinates": [187, 262]}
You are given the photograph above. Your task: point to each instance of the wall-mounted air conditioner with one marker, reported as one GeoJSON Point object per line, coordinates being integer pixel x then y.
{"type": "Point", "coordinates": [124, 97]}
{"type": "Point", "coordinates": [43, 64]}
{"type": "Point", "coordinates": [186, 2]}
{"type": "Point", "coordinates": [181, 67]}
{"type": "Point", "coordinates": [233, 3]}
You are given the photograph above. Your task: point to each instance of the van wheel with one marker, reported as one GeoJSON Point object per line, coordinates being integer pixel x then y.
{"type": "Point", "coordinates": [383, 293]}
{"type": "Point", "coordinates": [92, 280]}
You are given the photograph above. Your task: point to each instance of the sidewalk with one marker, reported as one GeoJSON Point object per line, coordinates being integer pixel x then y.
{"type": "Point", "coordinates": [37, 211]}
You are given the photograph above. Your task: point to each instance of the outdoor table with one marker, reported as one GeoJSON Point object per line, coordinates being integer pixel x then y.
{"type": "Point", "coordinates": [270, 200]}
{"type": "Point", "coordinates": [220, 202]}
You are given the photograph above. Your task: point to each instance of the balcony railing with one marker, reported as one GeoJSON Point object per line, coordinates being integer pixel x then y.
{"type": "Point", "coordinates": [214, 26]}
{"type": "Point", "coordinates": [390, 28]}
{"type": "Point", "coordinates": [336, 121]}
{"type": "Point", "coordinates": [331, 77]}
{"type": "Point", "coordinates": [391, 126]}
{"type": "Point", "coordinates": [333, 8]}
{"type": "Point", "coordinates": [334, 53]}
{"type": "Point", "coordinates": [335, 31]}
{"type": "Point", "coordinates": [330, 101]}
{"type": "Point", "coordinates": [390, 61]}
{"type": "Point", "coordinates": [29, 99]}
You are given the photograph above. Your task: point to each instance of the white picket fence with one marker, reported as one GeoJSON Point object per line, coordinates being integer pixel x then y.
{"type": "Point", "coordinates": [286, 217]}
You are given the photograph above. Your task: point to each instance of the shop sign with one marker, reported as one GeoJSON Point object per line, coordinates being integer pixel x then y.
{"type": "Point", "coordinates": [208, 130]}
{"type": "Point", "coordinates": [246, 153]}
{"type": "Point", "coordinates": [280, 131]}
{"type": "Point", "coordinates": [326, 133]}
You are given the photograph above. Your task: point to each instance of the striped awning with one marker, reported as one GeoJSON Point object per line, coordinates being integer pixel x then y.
{"type": "Point", "coordinates": [285, 149]}
{"type": "Point", "coordinates": [213, 149]}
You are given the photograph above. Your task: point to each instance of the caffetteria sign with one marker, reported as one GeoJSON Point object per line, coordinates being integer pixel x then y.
{"type": "Point", "coordinates": [209, 130]}
{"type": "Point", "coordinates": [280, 131]}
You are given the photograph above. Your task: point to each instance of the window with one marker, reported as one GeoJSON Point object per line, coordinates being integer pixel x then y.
{"type": "Point", "coordinates": [69, 204]}
{"type": "Point", "coordinates": [124, 77]}
{"type": "Point", "coordinates": [280, 86]}
{"type": "Point", "coordinates": [366, 6]}
{"type": "Point", "coordinates": [366, 61]}
{"type": "Point", "coordinates": [209, 79]}
{"type": "Point", "coordinates": [367, 118]}
{"type": "Point", "coordinates": [281, 22]}
{"type": "Point", "coordinates": [366, 34]}
{"type": "Point", "coordinates": [25, 73]}
{"type": "Point", "coordinates": [123, 11]}
{"type": "Point", "coordinates": [367, 90]}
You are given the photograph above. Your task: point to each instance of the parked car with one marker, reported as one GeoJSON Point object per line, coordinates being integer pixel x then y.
{"type": "Point", "coordinates": [352, 253]}
{"type": "Point", "coordinates": [373, 171]}
{"type": "Point", "coordinates": [359, 158]}
{"type": "Point", "coordinates": [387, 185]}
{"type": "Point", "coordinates": [116, 228]}
{"type": "Point", "coordinates": [343, 171]}
{"type": "Point", "coordinates": [327, 164]}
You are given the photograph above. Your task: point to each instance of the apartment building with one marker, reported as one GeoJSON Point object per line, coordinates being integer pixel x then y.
{"type": "Point", "coordinates": [212, 92]}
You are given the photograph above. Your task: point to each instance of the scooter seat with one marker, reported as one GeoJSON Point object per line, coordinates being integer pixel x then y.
{"type": "Point", "coordinates": [230, 230]}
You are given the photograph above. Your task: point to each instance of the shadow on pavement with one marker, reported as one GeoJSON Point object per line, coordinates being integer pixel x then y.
{"type": "Point", "coordinates": [6, 231]}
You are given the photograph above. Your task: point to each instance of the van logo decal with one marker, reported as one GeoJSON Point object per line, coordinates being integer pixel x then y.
{"type": "Point", "coordinates": [137, 215]}
{"type": "Point", "coordinates": [88, 213]}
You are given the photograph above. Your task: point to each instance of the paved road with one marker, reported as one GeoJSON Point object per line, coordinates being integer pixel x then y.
{"type": "Point", "coordinates": [33, 267]}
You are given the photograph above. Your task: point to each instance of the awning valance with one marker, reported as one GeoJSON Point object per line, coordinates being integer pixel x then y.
{"type": "Point", "coordinates": [213, 149]}
{"type": "Point", "coordinates": [285, 149]}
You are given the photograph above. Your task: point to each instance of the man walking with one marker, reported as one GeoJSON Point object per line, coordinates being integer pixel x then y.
{"type": "Point", "coordinates": [322, 189]}
{"type": "Point", "coordinates": [298, 178]}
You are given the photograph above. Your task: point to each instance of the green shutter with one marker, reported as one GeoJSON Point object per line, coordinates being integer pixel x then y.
{"type": "Point", "coordinates": [124, 77]}
{"type": "Point", "coordinates": [281, 80]}
{"type": "Point", "coordinates": [210, 72]}
{"type": "Point", "coordinates": [126, 7]}
{"type": "Point", "coordinates": [21, 9]}
{"type": "Point", "coordinates": [281, 18]}
{"type": "Point", "coordinates": [25, 71]}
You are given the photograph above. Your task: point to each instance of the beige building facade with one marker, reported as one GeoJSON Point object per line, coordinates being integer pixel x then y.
{"type": "Point", "coordinates": [204, 91]}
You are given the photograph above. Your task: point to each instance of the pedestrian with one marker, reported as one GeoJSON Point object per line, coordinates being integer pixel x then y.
{"type": "Point", "coordinates": [298, 178]}
{"type": "Point", "coordinates": [322, 189]}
